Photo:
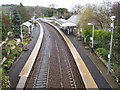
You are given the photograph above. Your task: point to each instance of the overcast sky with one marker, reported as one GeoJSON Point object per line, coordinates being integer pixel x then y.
{"type": "Point", "coordinates": [60, 3]}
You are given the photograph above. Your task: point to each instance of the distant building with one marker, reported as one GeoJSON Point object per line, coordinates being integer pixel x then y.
{"type": "Point", "coordinates": [9, 4]}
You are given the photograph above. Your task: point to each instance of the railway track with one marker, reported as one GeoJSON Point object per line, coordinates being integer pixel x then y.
{"type": "Point", "coordinates": [41, 81]}
{"type": "Point", "coordinates": [55, 66]}
{"type": "Point", "coordinates": [54, 63]}
{"type": "Point", "coordinates": [68, 67]}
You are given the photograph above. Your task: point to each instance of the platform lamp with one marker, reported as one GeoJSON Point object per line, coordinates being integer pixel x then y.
{"type": "Point", "coordinates": [110, 52]}
{"type": "Point", "coordinates": [21, 34]}
{"type": "Point", "coordinates": [92, 38]}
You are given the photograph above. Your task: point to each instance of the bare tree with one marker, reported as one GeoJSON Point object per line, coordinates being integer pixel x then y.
{"type": "Point", "coordinates": [77, 9]}
{"type": "Point", "coordinates": [116, 12]}
{"type": "Point", "coordinates": [103, 13]}
{"type": "Point", "coordinates": [87, 14]}
{"type": "Point", "coordinates": [53, 5]}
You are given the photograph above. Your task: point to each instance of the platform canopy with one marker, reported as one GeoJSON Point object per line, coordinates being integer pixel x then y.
{"type": "Point", "coordinates": [27, 24]}
{"type": "Point", "coordinates": [68, 24]}
{"type": "Point", "coordinates": [74, 19]}
{"type": "Point", "coordinates": [62, 20]}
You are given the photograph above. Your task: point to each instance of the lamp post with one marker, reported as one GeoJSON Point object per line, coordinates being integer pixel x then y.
{"type": "Point", "coordinates": [21, 35]}
{"type": "Point", "coordinates": [110, 52]}
{"type": "Point", "coordinates": [92, 38]}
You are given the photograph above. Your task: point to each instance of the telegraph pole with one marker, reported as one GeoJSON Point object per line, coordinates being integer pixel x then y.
{"type": "Point", "coordinates": [110, 52]}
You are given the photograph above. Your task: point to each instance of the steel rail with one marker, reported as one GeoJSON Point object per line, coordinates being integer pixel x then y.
{"type": "Point", "coordinates": [61, 79]}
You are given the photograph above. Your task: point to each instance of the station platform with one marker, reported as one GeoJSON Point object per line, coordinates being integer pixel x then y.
{"type": "Point", "coordinates": [20, 62]}
{"type": "Point", "coordinates": [96, 67]}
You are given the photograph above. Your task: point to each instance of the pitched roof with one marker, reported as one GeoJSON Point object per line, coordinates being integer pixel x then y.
{"type": "Point", "coordinates": [66, 24]}
{"type": "Point", "coordinates": [74, 19]}
{"type": "Point", "coordinates": [27, 24]}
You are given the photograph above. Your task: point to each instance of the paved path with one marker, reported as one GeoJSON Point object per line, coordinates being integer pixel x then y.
{"type": "Point", "coordinates": [91, 61]}
{"type": "Point", "coordinates": [18, 65]}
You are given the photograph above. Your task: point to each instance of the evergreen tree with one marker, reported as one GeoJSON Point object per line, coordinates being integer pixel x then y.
{"type": "Point", "coordinates": [25, 16]}
{"type": "Point", "coordinates": [16, 22]}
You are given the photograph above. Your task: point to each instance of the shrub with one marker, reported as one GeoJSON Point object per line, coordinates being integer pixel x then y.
{"type": "Point", "coordinates": [10, 61]}
{"type": "Point", "coordinates": [19, 48]}
{"type": "Point", "coordinates": [116, 72]}
{"type": "Point", "coordinates": [87, 31]}
{"type": "Point", "coordinates": [4, 53]}
{"type": "Point", "coordinates": [11, 43]}
{"type": "Point", "coordinates": [5, 80]}
{"type": "Point", "coordinates": [97, 44]}
{"type": "Point", "coordinates": [4, 34]}
{"type": "Point", "coordinates": [15, 52]}
{"type": "Point", "coordinates": [102, 52]}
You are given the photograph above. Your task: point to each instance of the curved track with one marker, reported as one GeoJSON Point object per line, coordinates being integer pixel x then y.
{"type": "Point", "coordinates": [55, 66]}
